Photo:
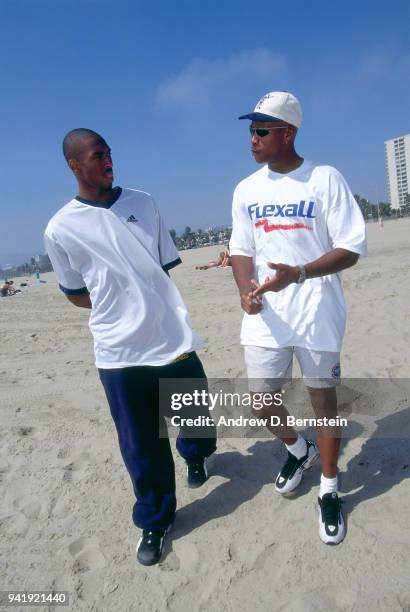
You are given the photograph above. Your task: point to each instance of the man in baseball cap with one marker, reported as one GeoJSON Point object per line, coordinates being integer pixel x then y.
{"type": "Point", "coordinates": [298, 220]}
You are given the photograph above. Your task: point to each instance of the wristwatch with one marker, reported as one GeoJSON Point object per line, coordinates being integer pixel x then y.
{"type": "Point", "coordinates": [302, 275]}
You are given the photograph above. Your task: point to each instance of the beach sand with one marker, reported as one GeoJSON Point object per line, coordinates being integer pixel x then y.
{"type": "Point", "coordinates": [65, 519]}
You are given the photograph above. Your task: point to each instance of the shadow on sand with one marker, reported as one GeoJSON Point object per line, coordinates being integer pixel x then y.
{"type": "Point", "coordinates": [382, 463]}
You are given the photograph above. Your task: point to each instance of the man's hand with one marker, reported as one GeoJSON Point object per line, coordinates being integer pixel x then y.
{"type": "Point", "coordinates": [243, 272]}
{"type": "Point", "coordinates": [250, 304]}
{"type": "Point", "coordinates": [285, 276]}
{"type": "Point", "coordinates": [332, 262]}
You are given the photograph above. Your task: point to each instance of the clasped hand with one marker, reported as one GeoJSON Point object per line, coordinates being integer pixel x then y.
{"type": "Point", "coordinates": [285, 275]}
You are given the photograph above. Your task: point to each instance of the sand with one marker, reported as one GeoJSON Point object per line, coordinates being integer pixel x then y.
{"type": "Point", "coordinates": [65, 519]}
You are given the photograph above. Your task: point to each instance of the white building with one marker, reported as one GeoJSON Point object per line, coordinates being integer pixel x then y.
{"type": "Point", "coordinates": [398, 169]}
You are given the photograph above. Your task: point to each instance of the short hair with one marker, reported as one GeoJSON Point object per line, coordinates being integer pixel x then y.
{"type": "Point", "coordinates": [74, 140]}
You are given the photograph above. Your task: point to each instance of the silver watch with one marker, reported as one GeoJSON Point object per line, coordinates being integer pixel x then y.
{"type": "Point", "coordinates": [302, 275]}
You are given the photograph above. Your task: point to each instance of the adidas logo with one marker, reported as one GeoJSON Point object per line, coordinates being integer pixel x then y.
{"type": "Point", "coordinates": [132, 219]}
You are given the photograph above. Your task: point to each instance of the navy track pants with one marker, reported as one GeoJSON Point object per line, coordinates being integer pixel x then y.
{"type": "Point", "coordinates": [133, 397]}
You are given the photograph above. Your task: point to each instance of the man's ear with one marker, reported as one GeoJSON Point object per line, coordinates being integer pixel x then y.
{"type": "Point", "coordinates": [290, 134]}
{"type": "Point", "coordinates": [73, 165]}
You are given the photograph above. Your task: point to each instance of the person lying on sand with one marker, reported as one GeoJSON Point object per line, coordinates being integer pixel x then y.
{"type": "Point", "coordinates": [223, 261]}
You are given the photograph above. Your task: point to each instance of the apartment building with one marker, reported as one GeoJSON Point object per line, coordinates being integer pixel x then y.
{"type": "Point", "coordinates": [398, 169]}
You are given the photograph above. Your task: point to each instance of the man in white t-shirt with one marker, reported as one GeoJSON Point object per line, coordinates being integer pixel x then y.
{"type": "Point", "coordinates": [299, 221]}
{"type": "Point", "coordinates": [111, 252]}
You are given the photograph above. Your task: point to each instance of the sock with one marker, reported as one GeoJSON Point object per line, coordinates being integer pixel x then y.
{"type": "Point", "coordinates": [327, 485]}
{"type": "Point", "coordinates": [299, 448]}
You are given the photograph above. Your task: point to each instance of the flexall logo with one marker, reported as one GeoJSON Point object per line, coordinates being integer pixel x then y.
{"type": "Point", "coordinates": [261, 214]}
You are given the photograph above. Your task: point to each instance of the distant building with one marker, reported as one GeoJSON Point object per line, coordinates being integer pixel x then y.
{"type": "Point", "coordinates": [41, 263]}
{"type": "Point", "coordinates": [42, 260]}
{"type": "Point", "coordinates": [398, 169]}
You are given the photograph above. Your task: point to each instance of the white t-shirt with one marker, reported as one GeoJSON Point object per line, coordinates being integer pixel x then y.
{"type": "Point", "coordinates": [118, 254]}
{"type": "Point", "coordinates": [294, 219]}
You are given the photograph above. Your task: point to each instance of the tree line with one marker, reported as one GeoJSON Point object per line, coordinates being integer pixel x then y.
{"type": "Point", "coordinates": [191, 239]}
{"type": "Point", "coordinates": [382, 209]}
{"type": "Point", "coordinates": [29, 267]}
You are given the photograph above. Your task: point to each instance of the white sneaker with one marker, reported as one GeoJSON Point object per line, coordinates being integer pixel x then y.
{"type": "Point", "coordinates": [332, 528]}
{"type": "Point", "coordinates": [291, 473]}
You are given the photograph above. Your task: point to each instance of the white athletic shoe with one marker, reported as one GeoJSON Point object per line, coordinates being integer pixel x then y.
{"type": "Point", "coordinates": [291, 473]}
{"type": "Point", "coordinates": [332, 528]}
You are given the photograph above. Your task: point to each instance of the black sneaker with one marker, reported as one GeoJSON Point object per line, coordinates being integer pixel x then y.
{"type": "Point", "coordinates": [151, 545]}
{"type": "Point", "coordinates": [291, 474]}
{"type": "Point", "coordinates": [331, 524]}
{"type": "Point", "coordinates": [196, 473]}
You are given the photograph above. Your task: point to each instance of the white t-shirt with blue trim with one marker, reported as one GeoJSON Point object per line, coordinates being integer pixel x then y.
{"type": "Point", "coordinates": [295, 218]}
{"type": "Point", "coordinates": [119, 254]}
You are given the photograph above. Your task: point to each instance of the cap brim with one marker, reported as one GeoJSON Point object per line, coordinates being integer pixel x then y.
{"type": "Point", "coordinates": [259, 117]}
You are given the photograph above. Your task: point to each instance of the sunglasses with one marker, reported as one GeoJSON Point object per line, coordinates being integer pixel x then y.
{"type": "Point", "coordinates": [262, 132]}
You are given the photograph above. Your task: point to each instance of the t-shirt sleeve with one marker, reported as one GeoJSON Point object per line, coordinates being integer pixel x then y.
{"type": "Point", "coordinates": [345, 223]}
{"type": "Point", "coordinates": [168, 254]}
{"type": "Point", "coordinates": [70, 281]}
{"type": "Point", "coordinates": [242, 240]}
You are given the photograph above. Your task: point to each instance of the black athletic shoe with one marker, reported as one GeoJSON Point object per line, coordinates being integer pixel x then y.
{"type": "Point", "coordinates": [291, 474]}
{"type": "Point", "coordinates": [196, 473]}
{"type": "Point", "coordinates": [151, 545]}
{"type": "Point", "coordinates": [331, 524]}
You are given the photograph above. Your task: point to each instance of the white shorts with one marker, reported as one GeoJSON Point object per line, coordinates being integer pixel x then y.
{"type": "Point", "coordinates": [272, 367]}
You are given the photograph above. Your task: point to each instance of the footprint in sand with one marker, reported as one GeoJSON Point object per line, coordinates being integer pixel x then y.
{"type": "Point", "coordinates": [32, 433]}
{"type": "Point", "coordinates": [29, 506]}
{"type": "Point", "coordinates": [186, 554]}
{"type": "Point", "coordinates": [264, 557]}
{"type": "Point", "coordinates": [170, 563]}
{"type": "Point", "coordinates": [59, 507]}
{"type": "Point", "coordinates": [62, 453]}
{"type": "Point", "coordinates": [4, 468]}
{"type": "Point", "coordinates": [25, 431]}
{"type": "Point", "coordinates": [87, 554]}
{"type": "Point", "coordinates": [81, 462]}
{"type": "Point", "coordinates": [67, 473]}
{"type": "Point", "coordinates": [77, 546]}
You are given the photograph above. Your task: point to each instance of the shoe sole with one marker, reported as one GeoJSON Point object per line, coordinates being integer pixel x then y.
{"type": "Point", "coordinates": [305, 466]}
{"type": "Point", "coordinates": [168, 529]}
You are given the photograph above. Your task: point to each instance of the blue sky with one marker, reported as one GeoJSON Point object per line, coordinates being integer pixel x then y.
{"type": "Point", "coordinates": [164, 83]}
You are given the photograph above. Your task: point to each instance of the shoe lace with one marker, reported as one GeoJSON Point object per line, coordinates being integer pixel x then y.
{"type": "Point", "coordinates": [151, 538]}
{"type": "Point", "coordinates": [289, 466]}
{"type": "Point", "coordinates": [330, 511]}
{"type": "Point", "coordinates": [195, 468]}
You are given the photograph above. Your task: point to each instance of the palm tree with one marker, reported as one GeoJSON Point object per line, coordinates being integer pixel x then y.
{"type": "Point", "coordinates": [173, 235]}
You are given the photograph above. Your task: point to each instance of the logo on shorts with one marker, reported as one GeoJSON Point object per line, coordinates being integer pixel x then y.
{"type": "Point", "coordinates": [336, 371]}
